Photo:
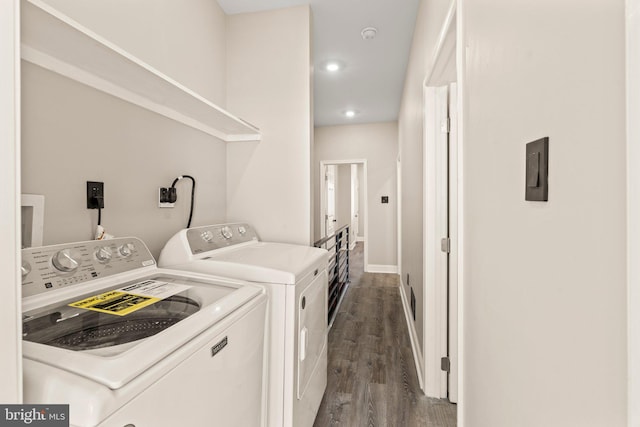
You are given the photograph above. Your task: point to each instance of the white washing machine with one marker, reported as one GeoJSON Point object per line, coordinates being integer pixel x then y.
{"type": "Point", "coordinates": [126, 343]}
{"type": "Point", "coordinates": [295, 277]}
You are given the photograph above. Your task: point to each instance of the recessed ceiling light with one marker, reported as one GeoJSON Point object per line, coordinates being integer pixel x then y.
{"type": "Point", "coordinates": [350, 113]}
{"type": "Point", "coordinates": [333, 66]}
{"type": "Point", "coordinates": [369, 33]}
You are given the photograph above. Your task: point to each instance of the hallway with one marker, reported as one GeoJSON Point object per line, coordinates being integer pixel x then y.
{"type": "Point", "coordinates": [371, 374]}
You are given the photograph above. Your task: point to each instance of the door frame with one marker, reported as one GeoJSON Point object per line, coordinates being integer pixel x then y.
{"type": "Point", "coordinates": [435, 227]}
{"type": "Point", "coordinates": [363, 187]}
{"type": "Point", "coordinates": [438, 275]}
{"type": "Point", "coordinates": [325, 197]}
{"type": "Point", "coordinates": [633, 209]}
{"type": "Point", "coordinates": [355, 201]}
{"type": "Point", "coordinates": [10, 229]}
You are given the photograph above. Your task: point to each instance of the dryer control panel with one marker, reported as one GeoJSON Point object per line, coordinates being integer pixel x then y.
{"type": "Point", "coordinates": [210, 237]}
{"type": "Point", "coordinates": [48, 268]}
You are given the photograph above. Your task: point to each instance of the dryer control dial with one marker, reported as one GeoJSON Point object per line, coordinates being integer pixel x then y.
{"type": "Point", "coordinates": [25, 269]}
{"type": "Point", "coordinates": [66, 261]}
{"type": "Point", "coordinates": [127, 249]}
{"type": "Point", "coordinates": [103, 254]}
{"type": "Point", "coordinates": [226, 232]}
{"type": "Point", "coordinates": [207, 236]}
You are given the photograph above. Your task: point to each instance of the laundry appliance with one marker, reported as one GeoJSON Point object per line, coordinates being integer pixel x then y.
{"type": "Point", "coordinates": [126, 343]}
{"type": "Point", "coordinates": [295, 277]}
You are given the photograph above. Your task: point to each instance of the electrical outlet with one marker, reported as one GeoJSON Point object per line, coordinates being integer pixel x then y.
{"type": "Point", "coordinates": [164, 197]}
{"type": "Point", "coordinates": [95, 194]}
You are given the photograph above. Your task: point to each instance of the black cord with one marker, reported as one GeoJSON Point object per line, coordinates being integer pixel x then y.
{"type": "Point", "coordinates": [98, 201]}
{"type": "Point", "coordinates": [193, 190]}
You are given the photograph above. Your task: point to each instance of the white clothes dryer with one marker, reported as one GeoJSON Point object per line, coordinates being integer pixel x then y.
{"type": "Point", "coordinates": [126, 343]}
{"type": "Point", "coordinates": [295, 277]}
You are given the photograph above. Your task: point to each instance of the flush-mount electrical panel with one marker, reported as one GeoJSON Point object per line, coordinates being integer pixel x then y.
{"type": "Point", "coordinates": [537, 170]}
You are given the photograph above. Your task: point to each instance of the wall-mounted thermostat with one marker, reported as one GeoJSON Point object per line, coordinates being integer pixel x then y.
{"type": "Point", "coordinates": [537, 166]}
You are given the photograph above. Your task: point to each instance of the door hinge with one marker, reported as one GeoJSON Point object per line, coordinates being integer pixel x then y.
{"type": "Point", "coordinates": [445, 364]}
{"type": "Point", "coordinates": [445, 245]}
{"type": "Point", "coordinates": [445, 125]}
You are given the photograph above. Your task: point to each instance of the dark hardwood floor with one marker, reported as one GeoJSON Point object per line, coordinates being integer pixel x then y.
{"type": "Point", "coordinates": [372, 379]}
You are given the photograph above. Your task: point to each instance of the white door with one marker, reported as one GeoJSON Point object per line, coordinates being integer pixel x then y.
{"type": "Point", "coordinates": [355, 207]}
{"type": "Point", "coordinates": [330, 199]}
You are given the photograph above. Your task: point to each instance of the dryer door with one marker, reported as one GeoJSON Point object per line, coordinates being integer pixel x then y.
{"type": "Point", "coordinates": [312, 329]}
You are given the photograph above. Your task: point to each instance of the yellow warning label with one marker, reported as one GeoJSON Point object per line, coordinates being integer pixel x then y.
{"type": "Point", "coordinates": [115, 302]}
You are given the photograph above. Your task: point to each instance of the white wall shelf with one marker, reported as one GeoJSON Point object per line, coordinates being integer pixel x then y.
{"type": "Point", "coordinates": [57, 43]}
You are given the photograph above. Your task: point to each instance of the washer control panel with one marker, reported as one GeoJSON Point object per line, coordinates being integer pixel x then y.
{"type": "Point", "coordinates": [47, 268]}
{"type": "Point", "coordinates": [210, 237]}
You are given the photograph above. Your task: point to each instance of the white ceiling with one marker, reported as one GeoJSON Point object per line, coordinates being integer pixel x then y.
{"type": "Point", "coordinates": [373, 77]}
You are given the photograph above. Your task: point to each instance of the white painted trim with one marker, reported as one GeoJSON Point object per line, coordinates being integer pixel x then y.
{"type": "Point", "coordinates": [10, 303]}
{"type": "Point", "coordinates": [359, 239]}
{"type": "Point", "coordinates": [352, 246]}
{"type": "Point", "coordinates": [461, 82]}
{"type": "Point", "coordinates": [363, 187]}
{"type": "Point", "coordinates": [413, 336]}
{"type": "Point", "coordinates": [450, 19]}
{"type": "Point", "coordinates": [453, 235]}
{"type": "Point", "coordinates": [399, 210]}
{"type": "Point", "coordinates": [380, 268]}
{"type": "Point", "coordinates": [633, 210]}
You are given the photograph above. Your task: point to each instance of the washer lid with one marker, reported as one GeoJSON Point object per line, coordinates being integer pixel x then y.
{"type": "Point", "coordinates": [265, 262]}
{"type": "Point", "coordinates": [114, 335]}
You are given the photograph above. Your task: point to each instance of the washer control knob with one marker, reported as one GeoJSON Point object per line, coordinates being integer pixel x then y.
{"type": "Point", "coordinates": [242, 230]}
{"type": "Point", "coordinates": [226, 232]}
{"type": "Point", "coordinates": [103, 254]}
{"type": "Point", "coordinates": [26, 268]}
{"type": "Point", "coordinates": [127, 249]}
{"type": "Point", "coordinates": [66, 261]}
{"type": "Point", "coordinates": [207, 236]}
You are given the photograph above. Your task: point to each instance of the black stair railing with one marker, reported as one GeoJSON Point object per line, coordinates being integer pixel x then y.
{"type": "Point", "coordinates": [338, 246]}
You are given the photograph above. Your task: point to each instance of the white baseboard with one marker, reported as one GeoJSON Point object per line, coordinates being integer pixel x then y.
{"type": "Point", "coordinates": [360, 239]}
{"type": "Point", "coordinates": [378, 268]}
{"type": "Point", "coordinates": [413, 336]}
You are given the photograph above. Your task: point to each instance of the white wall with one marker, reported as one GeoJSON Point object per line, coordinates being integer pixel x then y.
{"type": "Point", "coordinates": [269, 81]}
{"type": "Point", "coordinates": [545, 283]}
{"type": "Point", "coordinates": [72, 133]}
{"type": "Point", "coordinates": [10, 317]}
{"type": "Point", "coordinates": [431, 15]}
{"type": "Point", "coordinates": [633, 212]}
{"type": "Point", "coordinates": [343, 196]}
{"type": "Point", "coordinates": [377, 143]}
